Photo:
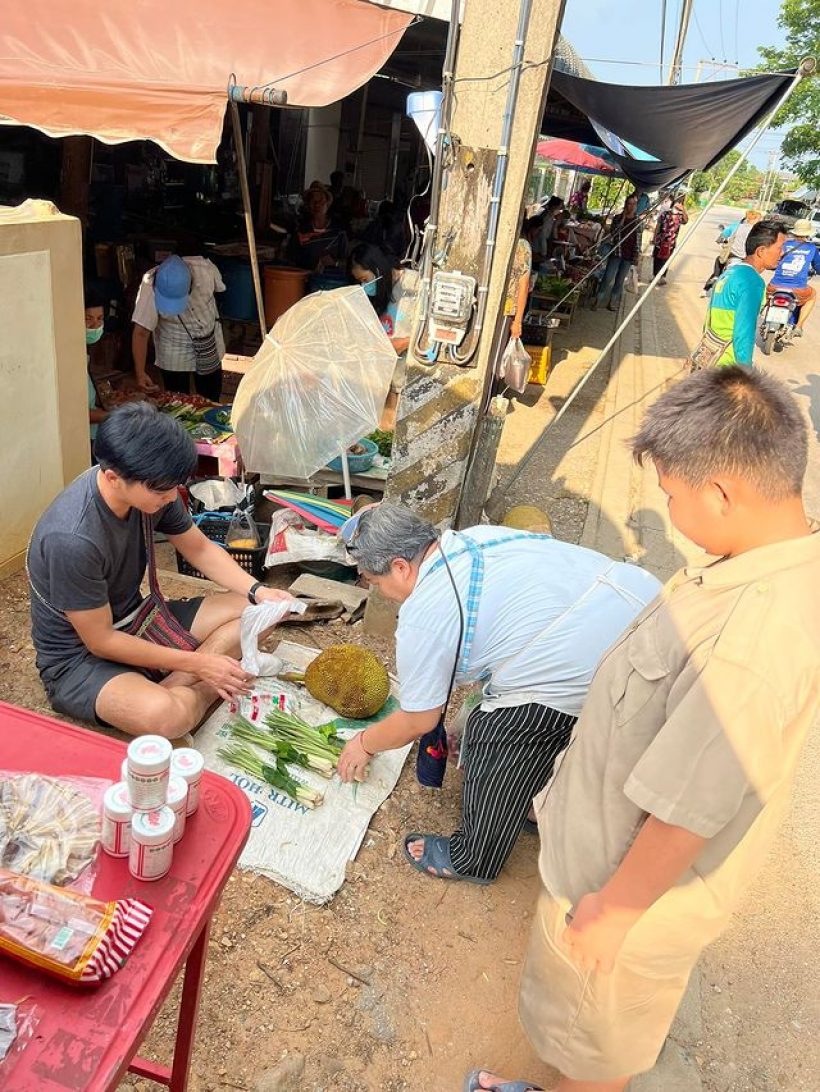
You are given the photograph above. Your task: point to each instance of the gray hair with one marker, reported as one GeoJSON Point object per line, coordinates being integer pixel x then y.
{"type": "Point", "coordinates": [733, 420]}
{"type": "Point", "coordinates": [389, 531]}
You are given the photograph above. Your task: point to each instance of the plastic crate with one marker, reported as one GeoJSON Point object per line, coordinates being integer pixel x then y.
{"type": "Point", "coordinates": [216, 528]}
{"type": "Point", "coordinates": [541, 357]}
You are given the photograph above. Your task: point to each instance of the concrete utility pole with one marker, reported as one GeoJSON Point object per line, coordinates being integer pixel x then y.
{"type": "Point", "coordinates": [680, 42]}
{"type": "Point", "coordinates": [439, 407]}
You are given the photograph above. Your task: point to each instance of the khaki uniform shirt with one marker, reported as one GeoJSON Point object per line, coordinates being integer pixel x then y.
{"type": "Point", "coordinates": [696, 716]}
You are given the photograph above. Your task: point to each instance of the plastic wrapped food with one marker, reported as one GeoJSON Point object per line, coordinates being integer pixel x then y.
{"type": "Point", "coordinates": [49, 827]}
{"type": "Point", "coordinates": [70, 936]}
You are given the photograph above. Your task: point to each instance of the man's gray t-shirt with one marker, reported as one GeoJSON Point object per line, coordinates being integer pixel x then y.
{"type": "Point", "coordinates": [81, 557]}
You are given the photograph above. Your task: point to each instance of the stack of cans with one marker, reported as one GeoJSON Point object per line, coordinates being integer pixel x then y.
{"type": "Point", "coordinates": [145, 812]}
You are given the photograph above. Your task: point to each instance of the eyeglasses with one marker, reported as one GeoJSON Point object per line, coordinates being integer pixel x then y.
{"type": "Point", "coordinates": [351, 528]}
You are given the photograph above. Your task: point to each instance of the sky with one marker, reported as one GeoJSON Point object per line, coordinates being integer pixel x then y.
{"type": "Point", "coordinates": [618, 31]}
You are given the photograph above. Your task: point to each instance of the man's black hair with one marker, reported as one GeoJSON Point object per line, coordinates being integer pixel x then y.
{"type": "Point", "coordinates": [554, 202]}
{"type": "Point", "coordinates": [93, 295]}
{"type": "Point", "coordinates": [764, 233]}
{"type": "Point", "coordinates": [143, 445]}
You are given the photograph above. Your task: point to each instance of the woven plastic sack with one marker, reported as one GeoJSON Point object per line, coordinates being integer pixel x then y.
{"type": "Point", "coordinates": [318, 384]}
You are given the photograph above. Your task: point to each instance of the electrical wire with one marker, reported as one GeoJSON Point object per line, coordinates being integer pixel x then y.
{"type": "Point", "coordinates": [720, 25]}
{"type": "Point", "coordinates": [711, 52]}
{"type": "Point", "coordinates": [737, 27]}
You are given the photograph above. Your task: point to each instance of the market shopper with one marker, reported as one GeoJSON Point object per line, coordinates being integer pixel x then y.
{"type": "Point", "coordinates": [94, 300]}
{"type": "Point", "coordinates": [625, 236]}
{"type": "Point", "coordinates": [681, 765]}
{"type": "Point", "coordinates": [176, 307]}
{"type": "Point", "coordinates": [392, 290]}
{"type": "Point", "coordinates": [318, 243]}
{"type": "Point", "coordinates": [666, 235]}
{"type": "Point", "coordinates": [734, 306]}
{"type": "Point", "coordinates": [800, 259]}
{"type": "Point", "coordinates": [523, 613]}
{"type": "Point", "coordinates": [101, 655]}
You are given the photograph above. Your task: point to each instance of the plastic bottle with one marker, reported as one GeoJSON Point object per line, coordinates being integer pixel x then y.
{"type": "Point", "coordinates": [188, 763]}
{"type": "Point", "coordinates": [149, 765]}
{"type": "Point", "coordinates": [116, 821]}
{"type": "Point", "coordinates": [152, 844]}
{"type": "Point", "coordinates": [178, 803]}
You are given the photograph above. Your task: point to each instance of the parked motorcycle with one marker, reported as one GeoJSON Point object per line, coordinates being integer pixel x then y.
{"type": "Point", "coordinates": [778, 321]}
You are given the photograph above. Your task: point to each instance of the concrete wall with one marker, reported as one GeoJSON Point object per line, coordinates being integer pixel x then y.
{"type": "Point", "coordinates": [322, 147]}
{"type": "Point", "coordinates": [45, 441]}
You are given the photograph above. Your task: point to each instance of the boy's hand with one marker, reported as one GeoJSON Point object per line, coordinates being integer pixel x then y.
{"type": "Point", "coordinates": [595, 933]}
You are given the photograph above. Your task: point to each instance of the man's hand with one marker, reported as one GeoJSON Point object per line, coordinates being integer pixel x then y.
{"type": "Point", "coordinates": [515, 328]}
{"type": "Point", "coordinates": [223, 673]}
{"type": "Point", "coordinates": [145, 383]}
{"type": "Point", "coordinates": [353, 761]}
{"type": "Point", "coordinates": [595, 933]}
{"type": "Point", "coordinates": [272, 595]}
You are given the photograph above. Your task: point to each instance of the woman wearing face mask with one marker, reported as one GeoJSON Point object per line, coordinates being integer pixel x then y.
{"type": "Point", "coordinates": [393, 294]}
{"type": "Point", "coordinates": [94, 328]}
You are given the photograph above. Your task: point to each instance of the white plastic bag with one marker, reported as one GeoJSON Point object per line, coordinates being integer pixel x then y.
{"type": "Point", "coordinates": [316, 386]}
{"type": "Point", "coordinates": [290, 542]}
{"type": "Point", "coordinates": [255, 620]}
{"type": "Point", "coordinates": [515, 365]}
{"type": "Point", "coordinates": [631, 283]}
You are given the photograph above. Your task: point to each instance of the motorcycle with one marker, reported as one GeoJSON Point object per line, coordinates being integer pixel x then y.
{"type": "Point", "coordinates": [778, 321]}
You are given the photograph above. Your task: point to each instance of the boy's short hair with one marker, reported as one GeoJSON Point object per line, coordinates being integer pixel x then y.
{"type": "Point", "coordinates": [732, 420]}
{"type": "Point", "coordinates": [142, 445]}
{"type": "Point", "coordinates": [764, 233]}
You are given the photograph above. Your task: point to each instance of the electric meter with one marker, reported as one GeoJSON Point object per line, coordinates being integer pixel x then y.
{"type": "Point", "coordinates": [452, 297]}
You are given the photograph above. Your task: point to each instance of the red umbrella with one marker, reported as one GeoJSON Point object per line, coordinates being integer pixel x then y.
{"type": "Point", "coordinates": [566, 153]}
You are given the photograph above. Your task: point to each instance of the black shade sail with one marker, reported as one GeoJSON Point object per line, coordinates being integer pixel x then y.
{"type": "Point", "coordinates": [687, 127]}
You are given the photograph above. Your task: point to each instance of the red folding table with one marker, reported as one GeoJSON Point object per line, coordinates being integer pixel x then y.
{"type": "Point", "coordinates": [86, 1038]}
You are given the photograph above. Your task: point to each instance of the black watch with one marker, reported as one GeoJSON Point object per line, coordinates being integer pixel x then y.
{"type": "Point", "coordinates": [253, 590]}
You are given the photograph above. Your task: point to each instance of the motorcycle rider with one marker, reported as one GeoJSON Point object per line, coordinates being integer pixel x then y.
{"type": "Point", "coordinates": [800, 259]}
{"type": "Point", "coordinates": [732, 242]}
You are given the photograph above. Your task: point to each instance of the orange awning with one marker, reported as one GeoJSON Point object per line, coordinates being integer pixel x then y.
{"type": "Point", "coordinates": [159, 69]}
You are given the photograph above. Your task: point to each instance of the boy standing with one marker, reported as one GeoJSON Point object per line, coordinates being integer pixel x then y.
{"type": "Point", "coordinates": [679, 771]}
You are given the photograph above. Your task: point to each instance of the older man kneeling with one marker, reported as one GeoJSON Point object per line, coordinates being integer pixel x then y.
{"type": "Point", "coordinates": [525, 614]}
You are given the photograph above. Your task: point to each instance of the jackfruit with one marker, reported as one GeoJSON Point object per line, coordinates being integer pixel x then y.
{"type": "Point", "coordinates": [526, 517]}
{"type": "Point", "coordinates": [351, 680]}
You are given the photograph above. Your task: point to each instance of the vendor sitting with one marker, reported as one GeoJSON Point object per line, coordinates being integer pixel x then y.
{"type": "Point", "coordinates": [525, 614]}
{"type": "Point", "coordinates": [104, 653]}
{"type": "Point", "coordinates": [318, 243]}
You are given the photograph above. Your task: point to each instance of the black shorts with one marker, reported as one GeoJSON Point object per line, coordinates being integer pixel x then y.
{"type": "Point", "coordinates": [73, 686]}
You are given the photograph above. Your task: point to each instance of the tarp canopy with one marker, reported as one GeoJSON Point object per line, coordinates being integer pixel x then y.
{"type": "Point", "coordinates": [159, 69]}
{"type": "Point", "coordinates": [577, 157]}
{"type": "Point", "coordinates": [658, 134]}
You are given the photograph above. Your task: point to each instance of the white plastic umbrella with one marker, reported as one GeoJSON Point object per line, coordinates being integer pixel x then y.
{"type": "Point", "coordinates": [316, 386]}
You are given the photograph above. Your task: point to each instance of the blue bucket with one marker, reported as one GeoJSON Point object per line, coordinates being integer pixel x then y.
{"type": "Point", "coordinates": [238, 301]}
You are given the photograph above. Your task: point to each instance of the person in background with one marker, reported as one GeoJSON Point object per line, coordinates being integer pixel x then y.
{"type": "Point", "coordinates": [738, 295]}
{"type": "Point", "coordinates": [94, 300]}
{"type": "Point", "coordinates": [666, 234]}
{"type": "Point", "coordinates": [666, 803]}
{"type": "Point", "coordinates": [580, 199]}
{"type": "Point", "coordinates": [392, 291]}
{"type": "Point", "coordinates": [625, 237]}
{"type": "Point", "coordinates": [542, 243]}
{"type": "Point", "coordinates": [386, 231]}
{"type": "Point", "coordinates": [518, 288]}
{"type": "Point", "coordinates": [337, 184]}
{"type": "Point", "coordinates": [175, 305]}
{"type": "Point", "coordinates": [737, 240]}
{"type": "Point", "coordinates": [318, 243]}
{"type": "Point", "coordinates": [537, 616]}
{"type": "Point", "coordinates": [800, 259]}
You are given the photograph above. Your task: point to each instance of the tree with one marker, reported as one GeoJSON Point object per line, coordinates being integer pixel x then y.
{"type": "Point", "coordinates": [800, 19]}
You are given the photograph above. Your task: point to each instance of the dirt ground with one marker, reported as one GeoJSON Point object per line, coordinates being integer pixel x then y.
{"type": "Point", "coordinates": [401, 982]}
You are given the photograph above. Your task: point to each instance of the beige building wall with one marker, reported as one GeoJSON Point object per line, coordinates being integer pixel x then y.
{"type": "Point", "coordinates": [43, 385]}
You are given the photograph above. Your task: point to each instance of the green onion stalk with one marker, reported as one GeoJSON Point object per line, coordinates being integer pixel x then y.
{"type": "Point", "coordinates": [241, 729]}
{"type": "Point", "coordinates": [243, 758]}
{"type": "Point", "coordinates": [320, 742]}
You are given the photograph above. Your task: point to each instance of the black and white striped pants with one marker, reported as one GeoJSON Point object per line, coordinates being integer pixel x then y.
{"type": "Point", "coordinates": [508, 759]}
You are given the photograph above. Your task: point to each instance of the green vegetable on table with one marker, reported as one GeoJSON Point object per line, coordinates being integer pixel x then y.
{"type": "Point", "coordinates": [383, 439]}
{"type": "Point", "coordinates": [277, 776]}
